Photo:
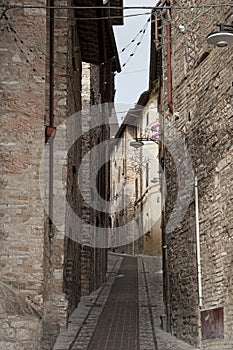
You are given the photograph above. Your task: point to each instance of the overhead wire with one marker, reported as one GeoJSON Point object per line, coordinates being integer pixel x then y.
{"type": "Point", "coordinates": [135, 71]}
{"type": "Point", "coordinates": [141, 31]}
{"type": "Point", "coordinates": [157, 11]}
{"type": "Point", "coordinates": [178, 7]}
{"type": "Point", "coordinates": [101, 18]}
{"type": "Point", "coordinates": [42, 56]}
{"type": "Point", "coordinates": [138, 43]}
{"type": "Point", "coordinates": [154, 8]}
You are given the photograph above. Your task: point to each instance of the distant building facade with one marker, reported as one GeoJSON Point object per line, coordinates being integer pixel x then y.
{"type": "Point", "coordinates": [123, 189]}
{"type": "Point", "coordinates": [135, 177]}
{"type": "Point", "coordinates": [151, 189]}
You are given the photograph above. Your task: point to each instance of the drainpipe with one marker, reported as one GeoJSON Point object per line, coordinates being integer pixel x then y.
{"type": "Point", "coordinates": [49, 135]}
{"type": "Point", "coordinates": [198, 244]}
{"type": "Point", "coordinates": [200, 298]}
{"type": "Point", "coordinates": [169, 68]}
{"type": "Point", "coordinates": [51, 129]}
{"type": "Point", "coordinates": [166, 288]}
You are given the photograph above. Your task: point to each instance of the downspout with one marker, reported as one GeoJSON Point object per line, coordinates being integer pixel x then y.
{"type": "Point", "coordinates": [49, 135]}
{"type": "Point", "coordinates": [169, 67]}
{"type": "Point", "coordinates": [198, 243]}
{"type": "Point", "coordinates": [199, 275]}
{"type": "Point", "coordinates": [167, 299]}
{"type": "Point", "coordinates": [51, 64]}
{"type": "Point", "coordinates": [51, 129]}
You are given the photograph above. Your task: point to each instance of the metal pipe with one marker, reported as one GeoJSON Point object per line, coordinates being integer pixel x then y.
{"type": "Point", "coordinates": [198, 244]}
{"type": "Point", "coordinates": [51, 107]}
{"type": "Point", "coordinates": [169, 69]}
{"type": "Point", "coordinates": [51, 65]}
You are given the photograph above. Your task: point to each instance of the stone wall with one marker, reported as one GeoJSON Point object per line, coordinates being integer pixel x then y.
{"type": "Point", "coordinates": [202, 103]}
{"type": "Point", "coordinates": [17, 333]}
{"type": "Point", "coordinates": [47, 263]}
{"type": "Point", "coordinates": [36, 260]}
{"type": "Point", "coordinates": [59, 70]}
{"type": "Point", "coordinates": [23, 81]}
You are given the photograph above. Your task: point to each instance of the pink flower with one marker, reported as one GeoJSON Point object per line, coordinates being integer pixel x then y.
{"type": "Point", "coordinates": [155, 127]}
{"type": "Point", "coordinates": [154, 137]}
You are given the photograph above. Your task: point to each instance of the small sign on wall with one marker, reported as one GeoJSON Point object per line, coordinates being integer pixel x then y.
{"type": "Point", "coordinates": [212, 323]}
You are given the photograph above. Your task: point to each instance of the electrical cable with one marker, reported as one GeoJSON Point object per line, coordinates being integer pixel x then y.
{"type": "Point", "coordinates": [137, 44]}
{"type": "Point", "coordinates": [135, 71]}
{"type": "Point", "coordinates": [157, 12]}
{"type": "Point", "coordinates": [133, 40]}
{"type": "Point", "coordinates": [113, 7]}
{"type": "Point", "coordinates": [101, 18]}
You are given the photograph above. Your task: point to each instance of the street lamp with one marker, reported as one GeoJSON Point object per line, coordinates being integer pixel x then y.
{"type": "Point", "coordinates": [139, 141]}
{"type": "Point", "coordinates": [154, 180]}
{"type": "Point", "coordinates": [223, 37]}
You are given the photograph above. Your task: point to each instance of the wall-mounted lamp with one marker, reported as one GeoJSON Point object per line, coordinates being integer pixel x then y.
{"type": "Point", "coordinates": [154, 180]}
{"type": "Point", "coordinates": [223, 37]}
{"type": "Point", "coordinates": [139, 141]}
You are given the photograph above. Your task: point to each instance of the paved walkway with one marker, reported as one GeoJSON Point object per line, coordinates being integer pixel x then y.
{"type": "Point", "coordinates": [124, 314]}
{"type": "Point", "coordinates": [117, 328]}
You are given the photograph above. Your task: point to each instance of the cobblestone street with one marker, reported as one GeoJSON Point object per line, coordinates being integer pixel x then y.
{"type": "Point", "coordinates": [119, 315]}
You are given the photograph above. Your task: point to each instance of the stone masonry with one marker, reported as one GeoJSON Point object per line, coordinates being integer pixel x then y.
{"type": "Point", "coordinates": [23, 98]}
{"type": "Point", "coordinates": [44, 267]}
{"type": "Point", "coordinates": [201, 110]}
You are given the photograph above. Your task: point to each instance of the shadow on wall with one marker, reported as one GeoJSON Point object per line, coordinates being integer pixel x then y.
{"type": "Point", "coordinates": [153, 240]}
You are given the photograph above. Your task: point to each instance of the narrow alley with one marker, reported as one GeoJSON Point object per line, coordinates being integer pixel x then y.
{"type": "Point", "coordinates": [125, 313]}
{"type": "Point", "coordinates": [116, 157]}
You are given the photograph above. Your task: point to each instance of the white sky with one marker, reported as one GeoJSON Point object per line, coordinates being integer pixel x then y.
{"type": "Point", "coordinates": [133, 79]}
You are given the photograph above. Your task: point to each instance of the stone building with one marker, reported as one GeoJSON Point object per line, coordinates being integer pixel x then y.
{"type": "Point", "coordinates": [125, 188]}
{"type": "Point", "coordinates": [151, 195]}
{"type": "Point", "coordinates": [135, 192]}
{"type": "Point", "coordinates": [196, 115]}
{"type": "Point", "coordinates": [53, 66]}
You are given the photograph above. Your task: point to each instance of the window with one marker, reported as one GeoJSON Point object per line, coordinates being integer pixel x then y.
{"type": "Point", "coordinates": [147, 118]}
{"type": "Point", "coordinates": [136, 189]}
{"type": "Point", "coordinates": [147, 174]}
